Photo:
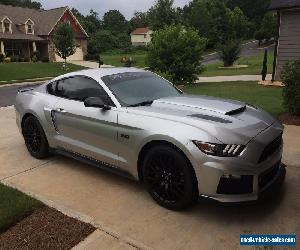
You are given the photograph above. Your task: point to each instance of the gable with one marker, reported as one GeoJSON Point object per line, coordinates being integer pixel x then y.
{"type": "Point", "coordinates": [71, 19]}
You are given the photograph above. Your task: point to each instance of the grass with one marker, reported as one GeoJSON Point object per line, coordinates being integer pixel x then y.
{"type": "Point", "coordinates": [115, 59]}
{"type": "Point", "coordinates": [254, 66]}
{"type": "Point", "coordinates": [14, 206]}
{"type": "Point", "coordinates": [25, 71]}
{"type": "Point", "coordinates": [268, 98]}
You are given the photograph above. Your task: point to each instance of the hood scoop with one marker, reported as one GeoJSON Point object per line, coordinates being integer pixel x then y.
{"type": "Point", "coordinates": [204, 103]}
{"type": "Point", "coordinates": [236, 111]}
{"type": "Point", "coordinates": [210, 118]}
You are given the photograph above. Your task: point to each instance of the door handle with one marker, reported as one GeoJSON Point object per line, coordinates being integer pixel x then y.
{"type": "Point", "coordinates": [59, 110]}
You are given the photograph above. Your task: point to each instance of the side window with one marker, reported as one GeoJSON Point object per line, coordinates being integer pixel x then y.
{"type": "Point", "coordinates": [51, 88]}
{"type": "Point", "coordinates": [79, 88]}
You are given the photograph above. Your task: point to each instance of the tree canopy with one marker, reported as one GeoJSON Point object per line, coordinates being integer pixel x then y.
{"type": "Point", "coordinates": [22, 3]}
{"type": "Point", "coordinates": [64, 41]}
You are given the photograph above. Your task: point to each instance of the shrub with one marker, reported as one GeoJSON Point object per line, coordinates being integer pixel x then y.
{"type": "Point", "coordinates": [7, 60]}
{"type": "Point", "coordinates": [230, 51]}
{"type": "Point", "coordinates": [35, 56]}
{"type": "Point", "coordinates": [176, 51]}
{"type": "Point", "coordinates": [128, 62]}
{"type": "Point", "coordinates": [1, 57]}
{"type": "Point", "coordinates": [45, 59]}
{"type": "Point", "coordinates": [15, 58]}
{"type": "Point", "coordinates": [264, 70]}
{"type": "Point", "coordinates": [34, 59]}
{"type": "Point", "coordinates": [291, 92]}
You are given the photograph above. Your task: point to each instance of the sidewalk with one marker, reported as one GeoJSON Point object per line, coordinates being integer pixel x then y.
{"type": "Point", "coordinates": [232, 78]}
{"type": "Point", "coordinates": [90, 64]}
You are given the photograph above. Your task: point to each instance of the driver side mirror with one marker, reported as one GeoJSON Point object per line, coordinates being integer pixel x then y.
{"type": "Point", "coordinates": [96, 102]}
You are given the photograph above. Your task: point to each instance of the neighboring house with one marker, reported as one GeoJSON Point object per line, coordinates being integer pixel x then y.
{"type": "Point", "coordinates": [23, 31]}
{"type": "Point", "coordinates": [141, 36]}
{"type": "Point", "coordinates": [288, 36]}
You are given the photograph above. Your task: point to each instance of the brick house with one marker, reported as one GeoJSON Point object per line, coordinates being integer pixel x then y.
{"type": "Point", "coordinates": [24, 30]}
{"type": "Point", "coordinates": [288, 34]}
{"type": "Point", "coordinates": [141, 36]}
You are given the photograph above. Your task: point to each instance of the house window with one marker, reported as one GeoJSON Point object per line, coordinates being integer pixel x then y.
{"type": "Point", "coordinates": [67, 21]}
{"type": "Point", "coordinates": [29, 27]}
{"type": "Point", "coordinates": [145, 36]}
{"type": "Point", "coordinates": [6, 27]}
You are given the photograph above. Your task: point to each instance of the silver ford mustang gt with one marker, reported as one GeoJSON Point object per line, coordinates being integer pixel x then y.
{"type": "Point", "coordinates": [139, 125]}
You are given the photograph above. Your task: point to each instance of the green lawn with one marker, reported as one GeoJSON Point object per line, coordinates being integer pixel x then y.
{"type": "Point", "coordinates": [268, 98]}
{"type": "Point", "coordinates": [14, 206]}
{"type": "Point", "coordinates": [23, 71]}
{"type": "Point", "coordinates": [115, 59]}
{"type": "Point", "coordinates": [254, 66]}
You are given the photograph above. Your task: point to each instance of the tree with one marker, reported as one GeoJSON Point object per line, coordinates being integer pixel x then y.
{"type": "Point", "coordinates": [230, 51]}
{"type": "Point", "coordinates": [64, 41]}
{"type": "Point", "coordinates": [162, 14]}
{"type": "Point", "coordinates": [22, 3]}
{"type": "Point", "coordinates": [101, 41]}
{"type": "Point", "coordinates": [176, 51]}
{"type": "Point", "coordinates": [253, 9]}
{"type": "Point", "coordinates": [267, 28]}
{"type": "Point", "coordinates": [264, 70]}
{"type": "Point", "coordinates": [215, 21]}
{"type": "Point", "coordinates": [139, 20]}
{"type": "Point", "coordinates": [113, 20]}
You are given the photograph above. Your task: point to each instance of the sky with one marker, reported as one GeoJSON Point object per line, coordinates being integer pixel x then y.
{"type": "Point", "coordinates": [126, 7]}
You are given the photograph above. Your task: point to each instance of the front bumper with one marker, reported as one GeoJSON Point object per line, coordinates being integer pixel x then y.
{"type": "Point", "coordinates": [256, 177]}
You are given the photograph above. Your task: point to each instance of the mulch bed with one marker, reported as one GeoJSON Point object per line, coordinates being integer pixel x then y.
{"type": "Point", "coordinates": [45, 229]}
{"type": "Point", "coordinates": [289, 119]}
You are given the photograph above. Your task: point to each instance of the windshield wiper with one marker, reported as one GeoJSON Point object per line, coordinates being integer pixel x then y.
{"type": "Point", "coordinates": [144, 103]}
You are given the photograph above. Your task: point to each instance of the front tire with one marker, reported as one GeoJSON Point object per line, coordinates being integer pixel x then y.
{"type": "Point", "coordinates": [169, 178]}
{"type": "Point", "coordinates": [35, 138]}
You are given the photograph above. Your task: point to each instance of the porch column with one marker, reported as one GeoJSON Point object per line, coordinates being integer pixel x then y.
{"type": "Point", "coordinates": [34, 46]}
{"type": "Point", "coordinates": [2, 48]}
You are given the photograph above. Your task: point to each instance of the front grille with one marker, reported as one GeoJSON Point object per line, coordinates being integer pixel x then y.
{"type": "Point", "coordinates": [244, 185]}
{"type": "Point", "coordinates": [270, 148]}
{"type": "Point", "coordinates": [267, 176]}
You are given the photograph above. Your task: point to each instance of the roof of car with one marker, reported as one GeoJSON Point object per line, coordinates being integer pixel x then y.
{"type": "Point", "coordinates": [98, 73]}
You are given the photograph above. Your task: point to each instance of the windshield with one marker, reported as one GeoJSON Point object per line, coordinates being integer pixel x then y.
{"type": "Point", "coordinates": [134, 88]}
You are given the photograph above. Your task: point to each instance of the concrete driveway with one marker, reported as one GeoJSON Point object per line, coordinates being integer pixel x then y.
{"type": "Point", "coordinates": [125, 215]}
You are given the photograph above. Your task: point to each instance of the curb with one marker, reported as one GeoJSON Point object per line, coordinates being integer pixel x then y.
{"type": "Point", "coordinates": [66, 210]}
{"type": "Point", "coordinates": [23, 82]}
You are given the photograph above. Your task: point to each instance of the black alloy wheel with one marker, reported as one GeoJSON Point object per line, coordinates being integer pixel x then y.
{"type": "Point", "coordinates": [170, 178]}
{"type": "Point", "coordinates": [35, 138]}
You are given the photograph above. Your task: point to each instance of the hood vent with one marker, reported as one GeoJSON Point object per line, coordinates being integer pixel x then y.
{"type": "Point", "coordinates": [211, 118]}
{"type": "Point", "coordinates": [236, 111]}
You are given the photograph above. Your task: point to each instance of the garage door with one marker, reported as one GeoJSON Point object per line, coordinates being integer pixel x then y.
{"type": "Point", "coordinates": [77, 56]}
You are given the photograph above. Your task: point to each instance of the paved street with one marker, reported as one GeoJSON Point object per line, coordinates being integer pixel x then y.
{"type": "Point", "coordinates": [126, 216]}
{"type": "Point", "coordinates": [8, 94]}
{"type": "Point", "coordinates": [249, 49]}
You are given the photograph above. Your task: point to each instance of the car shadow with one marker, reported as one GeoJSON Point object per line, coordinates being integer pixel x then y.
{"type": "Point", "coordinates": [253, 212]}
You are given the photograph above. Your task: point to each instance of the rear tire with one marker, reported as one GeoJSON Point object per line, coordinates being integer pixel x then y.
{"type": "Point", "coordinates": [169, 178]}
{"type": "Point", "coordinates": [35, 138]}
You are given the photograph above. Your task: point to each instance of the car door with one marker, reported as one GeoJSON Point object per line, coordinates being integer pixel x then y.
{"type": "Point", "coordinates": [88, 131]}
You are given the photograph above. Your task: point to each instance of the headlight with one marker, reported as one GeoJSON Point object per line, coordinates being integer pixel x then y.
{"type": "Point", "coordinates": [222, 150]}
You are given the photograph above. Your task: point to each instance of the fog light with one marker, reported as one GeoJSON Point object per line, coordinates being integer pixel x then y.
{"type": "Point", "coordinates": [231, 176]}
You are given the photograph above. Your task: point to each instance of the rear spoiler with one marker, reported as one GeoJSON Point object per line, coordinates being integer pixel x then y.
{"type": "Point", "coordinates": [24, 90]}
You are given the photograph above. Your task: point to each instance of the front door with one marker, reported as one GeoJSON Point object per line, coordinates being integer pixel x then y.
{"type": "Point", "coordinates": [87, 131]}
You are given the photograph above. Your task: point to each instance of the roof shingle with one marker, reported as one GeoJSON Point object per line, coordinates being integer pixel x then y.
{"type": "Point", "coordinates": [140, 31]}
{"type": "Point", "coordinates": [44, 20]}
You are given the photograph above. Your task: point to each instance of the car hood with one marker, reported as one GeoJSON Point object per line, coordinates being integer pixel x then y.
{"type": "Point", "coordinates": [227, 120]}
